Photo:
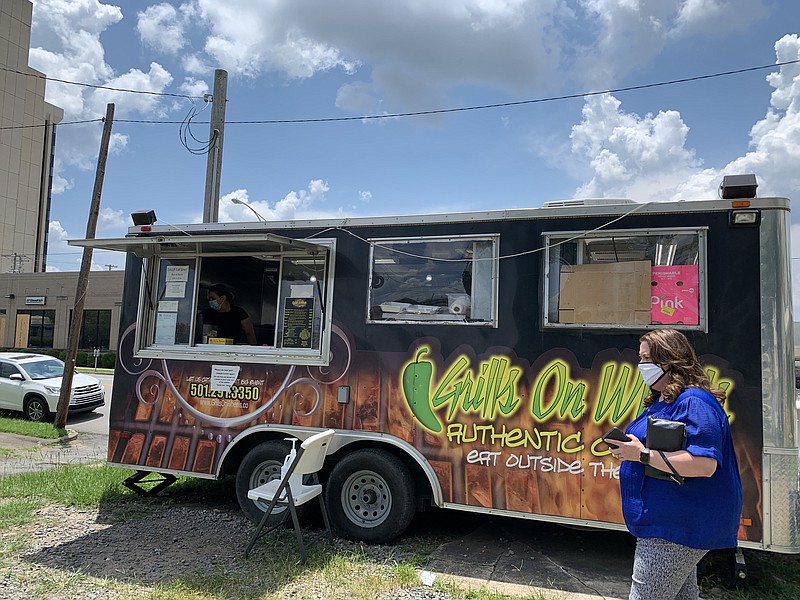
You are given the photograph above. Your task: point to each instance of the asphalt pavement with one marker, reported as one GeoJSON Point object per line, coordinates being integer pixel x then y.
{"type": "Point", "coordinates": [27, 454]}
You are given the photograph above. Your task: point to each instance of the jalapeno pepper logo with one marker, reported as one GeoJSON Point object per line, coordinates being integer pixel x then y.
{"type": "Point", "coordinates": [417, 389]}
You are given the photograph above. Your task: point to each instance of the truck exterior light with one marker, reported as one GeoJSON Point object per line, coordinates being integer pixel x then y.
{"type": "Point", "coordinates": [745, 218]}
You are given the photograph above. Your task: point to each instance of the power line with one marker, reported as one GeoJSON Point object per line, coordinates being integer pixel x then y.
{"type": "Point", "coordinates": [98, 120]}
{"type": "Point", "coordinates": [413, 113]}
{"type": "Point", "coordinates": [99, 87]}
{"type": "Point", "coordinates": [495, 105]}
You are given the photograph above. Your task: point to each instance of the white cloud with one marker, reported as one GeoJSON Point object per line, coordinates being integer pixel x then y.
{"type": "Point", "coordinates": [645, 157]}
{"type": "Point", "coordinates": [415, 49]}
{"type": "Point", "coordinates": [61, 184]}
{"type": "Point", "coordinates": [63, 257]}
{"type": "Point", "coordinates": [161, 27]}
{"type": "Point", "coordinates": [194, 87]}
{"type": "Point", "coordinates": [631, 33]}
{"type": "Point", "coordinates": [60, 256]}
{"type": "Point", "coordinates": [194, 63]}
{"type": "Point", "coordinates": [71, 31]}
{"type": "Point", "coordinates": [628, 153]}
{"type": "Point", "coordinates": [302, 204]}
{"type": "Point", "coordinates": [365, 195]}
{"type": "Point", "coordinates": [775, 139]}
{"type": "Point", "coordinates": [718, 17]}
{"type": "Point", "coordinates": [413, 53]}
{"type": "Point", "coordinates": [112, 219]}
{"type": "Point", "coordinates": [156, 80]}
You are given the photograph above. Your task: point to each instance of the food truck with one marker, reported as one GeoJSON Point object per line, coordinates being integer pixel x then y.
{"type": "Point", "coordinates": [468, 361]}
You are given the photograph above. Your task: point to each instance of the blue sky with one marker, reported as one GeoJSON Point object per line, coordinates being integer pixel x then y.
{"type": "Point", "coordinates": [306, 59]}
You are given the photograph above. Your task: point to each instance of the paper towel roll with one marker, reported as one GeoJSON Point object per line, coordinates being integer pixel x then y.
{"type": "Point", "coordinates": [459, 308]}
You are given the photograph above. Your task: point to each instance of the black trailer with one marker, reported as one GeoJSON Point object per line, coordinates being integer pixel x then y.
{"type": "Point", "coordinates": [471, 361]}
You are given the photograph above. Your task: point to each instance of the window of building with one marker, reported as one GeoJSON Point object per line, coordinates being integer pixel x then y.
{"type": "Point", "coordinates": [35, 328]}
{"type": "Point", "coordinates": [449, 280]}
{"type": "Point", "coordinates": [625, 279]}
{"type": "Point", "coordinates": [95, 330]}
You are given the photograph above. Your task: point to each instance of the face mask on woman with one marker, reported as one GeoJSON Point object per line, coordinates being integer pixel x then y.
{"type": "Point", "coordinates": [214, 304]}
{"type": "Point", "coordinates": [651, 372]}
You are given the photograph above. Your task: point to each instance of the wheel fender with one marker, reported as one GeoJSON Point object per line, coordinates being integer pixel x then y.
{"type": "Point", "coordinates": [341, 440]}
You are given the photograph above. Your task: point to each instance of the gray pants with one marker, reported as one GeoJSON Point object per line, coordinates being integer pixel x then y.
{"type": "Point", "coordinates": [665, 571]}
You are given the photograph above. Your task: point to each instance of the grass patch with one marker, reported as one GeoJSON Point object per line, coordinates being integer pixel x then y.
{"type": "Point", "coordinates": [770, 576]}
{"type": "Point", "coordinates": [23, 427]}
{"type": "Point", "coordinates": [91, 370]}
{"type": "Point", "coordinates": [75, 485]}
{"type": "Point", "coordinates": [17, 511]}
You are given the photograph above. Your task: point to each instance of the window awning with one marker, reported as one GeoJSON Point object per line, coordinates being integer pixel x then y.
{"type": "Point", "coordinates": [195, 245]}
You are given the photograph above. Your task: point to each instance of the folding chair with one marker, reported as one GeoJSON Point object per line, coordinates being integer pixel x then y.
{"type": "Point", "coordinates": [290, 491]}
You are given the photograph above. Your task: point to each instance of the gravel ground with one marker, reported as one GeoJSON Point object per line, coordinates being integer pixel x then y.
{"type": "Point", "coordinates": [66, 543]}
{"type": "Point", "coordinates": [86, 554]}
{"type": "Point", "coordinates": [83, 554]}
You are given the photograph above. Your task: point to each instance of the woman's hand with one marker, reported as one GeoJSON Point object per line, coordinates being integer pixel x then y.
{"type": "Point", "coordinates": [685, 464]}
{"type": "Point", "coordinates": [626, 450]}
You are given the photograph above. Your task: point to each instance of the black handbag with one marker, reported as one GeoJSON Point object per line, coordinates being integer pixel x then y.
{"type": "Point", "coordinates": [665, 436]}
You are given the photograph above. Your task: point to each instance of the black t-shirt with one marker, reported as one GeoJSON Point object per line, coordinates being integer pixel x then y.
{"type": "Point", "coordinates": [228, 324]}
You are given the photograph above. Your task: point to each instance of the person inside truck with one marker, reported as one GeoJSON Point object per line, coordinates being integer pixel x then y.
{"type": "Point", "coordinates": [228, 320]}
{"type": "Point", "coordinates": [676, 524]}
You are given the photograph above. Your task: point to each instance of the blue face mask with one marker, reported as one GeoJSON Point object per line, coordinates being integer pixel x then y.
{"type": "Point", "coordinates": [214, 304]}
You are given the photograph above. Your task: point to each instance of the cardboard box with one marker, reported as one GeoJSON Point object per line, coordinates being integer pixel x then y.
{"type": "Point", "coordinates": [613, 293]}
{"type": "Point", "coordinates": [218, 340]}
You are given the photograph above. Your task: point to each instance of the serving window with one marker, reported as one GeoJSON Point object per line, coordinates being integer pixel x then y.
{"type": "Point", "coordinates": [625, 279]}
{"type": "Point", "coordinates": [443, 280]}
{"type": "Point", "coordinates": [248, 297]}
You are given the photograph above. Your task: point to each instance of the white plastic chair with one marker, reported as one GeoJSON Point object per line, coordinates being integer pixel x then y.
{"type": "Point", "coordinates": [290, 491]}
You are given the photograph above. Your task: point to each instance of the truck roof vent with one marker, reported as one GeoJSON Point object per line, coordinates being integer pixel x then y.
{"type": "Point", "coordinates": [587, 202]}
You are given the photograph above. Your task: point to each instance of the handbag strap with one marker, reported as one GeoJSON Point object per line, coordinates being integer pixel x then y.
{"type": "Point", "coordinates": [676, 477]}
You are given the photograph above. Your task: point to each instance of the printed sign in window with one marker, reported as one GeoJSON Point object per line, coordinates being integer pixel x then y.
{"type": "Point", "coordinates": [298, 319]}
{"type": "Point", "coordinates": [674, 295]}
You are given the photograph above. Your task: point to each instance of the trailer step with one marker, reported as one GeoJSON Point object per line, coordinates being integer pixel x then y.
{"type": "Point", "coordinates": [149, 487]}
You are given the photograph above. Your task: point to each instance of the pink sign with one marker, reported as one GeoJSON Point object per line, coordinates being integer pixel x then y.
{"type": "Point", "coordinates": [674, 295]}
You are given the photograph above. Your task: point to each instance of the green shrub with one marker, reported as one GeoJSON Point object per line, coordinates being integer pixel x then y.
{"type": "Point", "coordinates": [84, 359]}
{"type": "Point", "coordinates": [108, 360]}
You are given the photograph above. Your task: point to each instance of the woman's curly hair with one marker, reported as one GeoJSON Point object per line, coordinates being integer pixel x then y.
{"type": "Point", "coordinates": [670, 350]}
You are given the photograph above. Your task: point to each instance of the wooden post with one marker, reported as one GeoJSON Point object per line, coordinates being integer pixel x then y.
{"type": "Point", "coordinates": [83, 276]}
{"type": "Point", "coordinates": [216, 137]}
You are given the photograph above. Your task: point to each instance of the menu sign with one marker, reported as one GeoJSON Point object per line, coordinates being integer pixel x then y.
{"type": "Point", "coordinates": [298, 319]}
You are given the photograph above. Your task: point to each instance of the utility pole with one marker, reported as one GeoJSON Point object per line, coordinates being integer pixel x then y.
{"type": "Point", "coordinates": [83, 276]}
{"type": "Point", "coordinates": [110, 266]}
{"type": "Point", "coordinates": [216, 136]}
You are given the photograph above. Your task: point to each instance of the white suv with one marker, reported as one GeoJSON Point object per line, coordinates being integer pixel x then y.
{"type": "Point", "coordinates": [31, 383]}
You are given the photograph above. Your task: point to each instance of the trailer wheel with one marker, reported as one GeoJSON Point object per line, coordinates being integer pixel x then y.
{"type": "Point", "coordinates": [36, 409]}
{"type": "Point", "coordinates": [370, 496]}
{"type": "Point", "coordinates": [259, 466]}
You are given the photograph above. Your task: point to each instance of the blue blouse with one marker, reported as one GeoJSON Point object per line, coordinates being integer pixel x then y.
{"type": "Point", "coordinates": [703, 513]}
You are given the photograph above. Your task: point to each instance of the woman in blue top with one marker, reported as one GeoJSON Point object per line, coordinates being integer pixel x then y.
{"type": "Point", "coordinates": [676, 525]}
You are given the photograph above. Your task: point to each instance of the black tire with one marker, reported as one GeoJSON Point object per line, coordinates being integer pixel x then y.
{"type": "Point", "coordinates": [36, 409]}
{"type": "Point", "coordinates": [370, 496]}
{"type": "Point", "coordinates": [259, 466]}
